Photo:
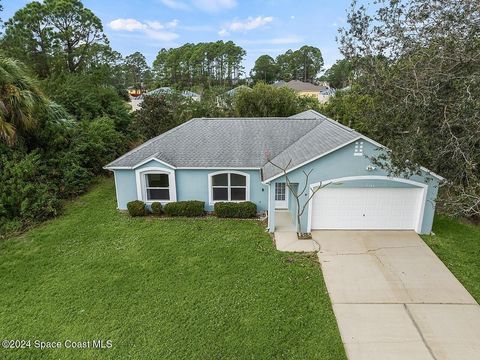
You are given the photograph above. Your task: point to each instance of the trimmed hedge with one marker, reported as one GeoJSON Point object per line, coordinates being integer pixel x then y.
{"type": "Point", "coordinates": [156, 208]}
{"type": "Point", "coordinates": [242, 210]}
{"type": "Point", "coordinates": [185, 208]}
{"type": "Point", "coordinates": [136, 208]}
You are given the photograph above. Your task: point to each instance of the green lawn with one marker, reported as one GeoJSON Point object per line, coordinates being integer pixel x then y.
{"type": "Point", "coordinates": [161, 289]}
{"type": "Point", "coordinates": [458, 245]}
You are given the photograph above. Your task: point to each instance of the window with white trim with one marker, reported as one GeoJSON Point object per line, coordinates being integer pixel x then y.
{"type": "Point", "coordinates": [229, 186]}
{"type": "Point", "coordinates": [157, 187]}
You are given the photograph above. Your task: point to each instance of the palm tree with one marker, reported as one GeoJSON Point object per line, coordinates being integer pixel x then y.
{"type": "Point", "coordinates": [20, 100]}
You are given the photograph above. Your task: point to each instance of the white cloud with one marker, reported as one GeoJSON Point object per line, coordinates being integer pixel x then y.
{"type": "Point", "coordinates": [176, 5]}
{"type": "Point", "coordinates": [172, 24]}
{"type": "Point", "coordinates": [214, 5]}
{"type": "Point", "coordinates": [153, 29]}
{"type": "Point", "coordinates": [127, 25]}
{"type": "Point", "coordinates": [250, 24]}
{"type": "Point", "coordinates": [155, 25]}
{"type": "Point", "coordinates": [223, 33]}
{"type": "Point", "coordinates": [245, 25]}
{"type": "Point", "coordinates": [292, 17]}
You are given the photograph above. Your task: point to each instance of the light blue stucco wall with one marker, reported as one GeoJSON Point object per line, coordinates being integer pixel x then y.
{"type": "Point", "coordinates": [342, 163]}
{"type": "Point", "coordinates": [191, 184]}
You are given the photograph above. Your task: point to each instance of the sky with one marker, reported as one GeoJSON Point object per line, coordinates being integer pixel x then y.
{"type": "Point", "coordinates": [260, 27]}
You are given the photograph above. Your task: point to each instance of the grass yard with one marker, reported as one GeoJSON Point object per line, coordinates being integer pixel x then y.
{"type": "Point", "coordinates": [161, 289]}
{"type": "Point", "coordinates": [457, 244]}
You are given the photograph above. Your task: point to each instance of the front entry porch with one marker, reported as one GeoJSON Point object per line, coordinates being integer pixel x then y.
{"type": "Point", "coordinates": [286, 235]}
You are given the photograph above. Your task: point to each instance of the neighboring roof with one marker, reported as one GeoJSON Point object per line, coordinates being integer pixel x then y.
{"type": "Point", "coordinates": [233, 91]}
{"type": "Point", "coordinates": [168, 90]}
{"type": "Point", "coordinates": [298, 85]}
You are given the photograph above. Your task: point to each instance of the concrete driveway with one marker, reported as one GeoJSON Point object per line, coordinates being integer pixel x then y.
{"type": "Point", "coordinates": [394, 299]}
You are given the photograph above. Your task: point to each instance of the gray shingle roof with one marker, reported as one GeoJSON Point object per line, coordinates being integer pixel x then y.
{"type": "Point", "coordinates": [242, 143]}
{"type": "Point", "coordinates": [326, 136]}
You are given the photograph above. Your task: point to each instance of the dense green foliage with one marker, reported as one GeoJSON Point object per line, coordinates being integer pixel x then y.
{"type": "Point", "coordinates": [303, 64]}
{"type": "Point", "coordinates": [241, 210]}
{"type": "Point", "coordinates": [136, 208]}
{"type": "Point", "coordinates": [162, 112]}
{"type": "Point", "coordinates": [265, 69]}
{"type": "Point", "coordinates": [191, 208]}
{"type": "Point", "coordinates": [137, 72]}
{"type": "Point", "coordinates": [211, 63]}
{"type": "Point", "coordinates": [415, 89]}
{"type": "Point", "coordinates": [162, 289]}
{"type": "Point", "coordinates": [339, 75]}
{"type": "Point", "coordinates": [264, 100]}
{"type": "Point", "coordinates": [156, 208]}
{"type": "Point", "coordinates": [457, 244]}
{"type": "Point", "coordinates": [53, 36]}
{"type": "Point", "coordinates": [20, 99]}
{"type": "Point", "coordinates": [51, 151]}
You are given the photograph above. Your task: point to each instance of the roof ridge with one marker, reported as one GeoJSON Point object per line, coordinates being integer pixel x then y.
{"type": "Point", "coordinates": [141, 146]}
{"type": "Point", "coordinates": [255, 118]}
{"type": "Point", "coordinates": [333, 122]}
{"type": "Point", "coordinates": [294, 142]}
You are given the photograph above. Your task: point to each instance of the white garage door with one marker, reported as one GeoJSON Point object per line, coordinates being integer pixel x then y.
{"type": "Point", "coordinates": [366, 208]}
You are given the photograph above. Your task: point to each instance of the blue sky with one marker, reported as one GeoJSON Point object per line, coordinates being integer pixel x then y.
{"type": "Point", "coordinates": [260, 27]}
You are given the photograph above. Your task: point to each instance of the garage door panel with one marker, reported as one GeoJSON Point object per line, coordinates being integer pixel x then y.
{"type": "Point", "coordinates": [366, 208]}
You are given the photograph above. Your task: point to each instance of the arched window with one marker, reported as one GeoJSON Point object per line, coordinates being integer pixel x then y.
{"type": "Point", "coordinates": [229, 186]}
{"type": "Point", "coordinates": [155, 184]}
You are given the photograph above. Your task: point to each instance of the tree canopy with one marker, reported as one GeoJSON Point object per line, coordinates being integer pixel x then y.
{"type": "Point", "coordinates": [212, 63]}
{"type": "Point", "coordinates": [339, 75]}
{"type": "Point", "coordinates": [303, 64]}
{"type": "Point", "coordinates": [417, 64]}
{"type": "Point", "coordinates": [265, 69]}
{"type": "Point", "coordinates": [55, 34]}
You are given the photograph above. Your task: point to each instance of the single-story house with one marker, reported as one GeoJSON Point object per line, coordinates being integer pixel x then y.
{"type": "Point", "coordinates": [230, 159]}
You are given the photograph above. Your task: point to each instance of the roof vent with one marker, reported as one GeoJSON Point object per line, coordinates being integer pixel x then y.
{"type": "Point", "coordinates": [358, 148]}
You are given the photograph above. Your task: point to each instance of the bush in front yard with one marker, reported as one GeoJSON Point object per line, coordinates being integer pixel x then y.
{"type": "Point", "coordinates": [156, 208]}
{"type": "Point", "coordinates": [184, 208]}
{"type": "Point", "coordinates": [136, 208]}
{"type": "Point", "coordinates": [242, 210]}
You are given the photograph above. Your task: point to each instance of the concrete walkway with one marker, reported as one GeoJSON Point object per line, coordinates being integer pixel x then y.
{"type": "Point", "coordinates": [394, 299]}
{"type": "Point", "coordinates": [286, 235]}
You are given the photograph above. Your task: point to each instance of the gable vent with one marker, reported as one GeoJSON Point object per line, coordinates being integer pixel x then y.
{"type": "Point", "coordinates": [358, 148]}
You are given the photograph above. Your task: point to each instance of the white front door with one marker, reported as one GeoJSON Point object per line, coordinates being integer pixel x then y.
{"type": "Point", "coordinates": [366, 208]}
{"type": "Point", "coordinates": [280, 196]}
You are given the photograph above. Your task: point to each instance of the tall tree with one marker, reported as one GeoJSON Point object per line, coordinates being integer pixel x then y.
{"type": "Point", "coordinates": [213, 63]}
{"type": "Point", "coordinates": [29, 38]}
{"type": "Point", "coordinates": [53, 35]}
{"type": "Point", "coordinates": [419, 64]}
{"type": "Point", "coordinates": [137, 71]}
{"type": "Point", "coordinates": [265, 69]}
{"type": "Point", "coordinates": [76, 29]}
{"type": "Point", "coordinates": [303, 64]}
{"type": "Point", "coordinates": [309, 62]}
